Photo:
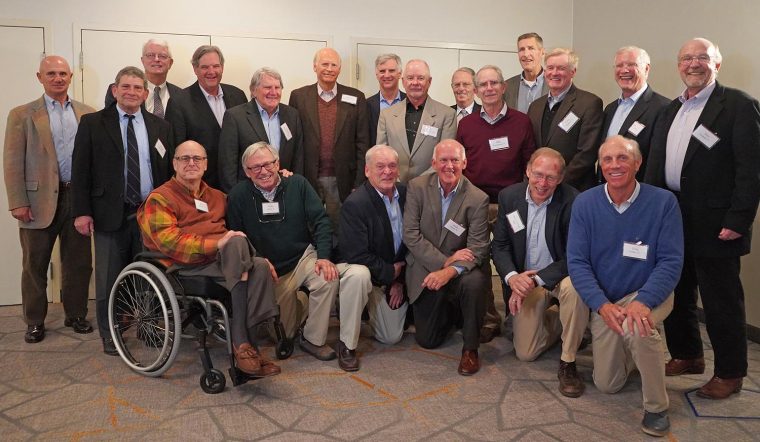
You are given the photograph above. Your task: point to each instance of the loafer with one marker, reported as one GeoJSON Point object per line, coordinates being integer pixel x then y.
{"type": "Point", "coordinates": [677, 367]}
{"type": "Point", "coordinates": [347, 359]}
{"type": "Point", "coordinates": [570, 382]}
{"type": "Point", "coordinates": [488, 333]}
{"type": "Point", "coordinates": [109, 347]}
{"type": "Point", "coordinates": [79, 325]}
{"type": "Point", "coordinates": [322, 352]}
{"type": "Point", "coordinates": [656, 424]}
{"type": "Point", "coordinates": [34, 333]}
{"type": "Point", "coordinates": [719, 388]}
{"type": "Point", "coordinates": [469, 364]}
{"type": "Point", "coordinates": [247, 359]}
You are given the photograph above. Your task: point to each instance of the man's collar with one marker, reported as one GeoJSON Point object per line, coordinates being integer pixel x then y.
{"type": "Point", "coordinates": [334, 89]}
{"type": "Point", "coordinates": [206, 94]}
{"type": "Point", "coordinates": [49, 101]}
{"type": "Point", "coordinates": [701, 95]}
{"type": "Point", "coordinates": [529, 198]}
{"type": "Point", "coordinates": [396, 98]}
{"type": "Point", "coordinates": [262, 110]}
{"type": "Point", "coordinates": [636, 95]}
{"type": "Point", "coordinates": [453, 191]}
{"type": "Point", "coordinates": [382, 195]}
{"type": "Point", "coordinates": [279, 181]}
{"type": "Point", "coordinates": [468, 108]}
{"type": "Point", "coordinates": [630, 199]}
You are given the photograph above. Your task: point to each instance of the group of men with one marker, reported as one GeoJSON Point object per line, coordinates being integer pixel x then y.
{"type": "Point", "coordinates": [402, 229]}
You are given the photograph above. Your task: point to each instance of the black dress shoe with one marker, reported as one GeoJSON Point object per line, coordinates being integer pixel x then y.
{"type": "Point", "coordinates": [109, 347]}
{"type": "Point", "coordinates": [79, 325]}
{"type": "Point", "coordinates": [34, 334]}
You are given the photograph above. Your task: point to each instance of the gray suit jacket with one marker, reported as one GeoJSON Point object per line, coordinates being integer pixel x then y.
{"type": "Point", "coordinates": [241, 127]}
{"type": "Point", "coordinates": [429, 242]}
{"type": "Point", "coordinates": [30, 162]}
{"type": "Point", "coordinates": [513, 91]}
{"type": "Point", "coordinates": [391, 130]}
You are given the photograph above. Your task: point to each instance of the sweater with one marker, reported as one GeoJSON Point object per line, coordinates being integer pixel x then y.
{"type": "Point", "coordinates": [599, 271]}
{"type": "Point", "coordinates": [283, 238]}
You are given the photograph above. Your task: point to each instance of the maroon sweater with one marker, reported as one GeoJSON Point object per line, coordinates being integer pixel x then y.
{"type": "Point", "coordinates": [492, 170]}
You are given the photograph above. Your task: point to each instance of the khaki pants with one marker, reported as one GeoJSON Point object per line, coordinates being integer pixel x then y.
{"type": "Point", "coordinates": [387, 324]}
{"type": "Point", "coordinates": [537, 328]}
{"type": "Point", "coordinates": [617, 356]}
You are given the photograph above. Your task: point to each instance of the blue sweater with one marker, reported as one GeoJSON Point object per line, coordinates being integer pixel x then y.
{"type": "Point", "coordinates": [599, 271]}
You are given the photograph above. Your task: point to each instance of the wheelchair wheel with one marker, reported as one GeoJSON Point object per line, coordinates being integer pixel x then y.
{"type": "Point", "coordinates": [213, 381]}
{"type": "Point", "coordinates": [145, 319]}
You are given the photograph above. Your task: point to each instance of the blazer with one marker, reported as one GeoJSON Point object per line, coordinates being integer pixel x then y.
{"type": "Point", "coordinates": [351, 136]}
{"type": "Point", "coordinates": [365, 234]}
{"type": "Point", "coordinates": [645, 111]}
{"type": "Point", "coordinates": [373, 112]}
{"type": "Point", "coordinates": [192, 119]}
{"type": "Point", "coordinates": [512, 93]}
{"type": "Point", "coordinates": [243, 126]}
{"type": "Point", "coordinates": [30, 162]}
{"type": "Point", "coordinates": [391, 130]}
{"type": "Point", "coordinates": [174, 91]}
{"type": "Point", "coordinates": [720, 185]}
{"type": "Point", "coordinates": [508, 248]}
{"type": "Point", "coordinates": [97, 169]}
{"type": "Point", "coordinates": [580, 145]}
{"type": "Point", "coordinates": [475, 108]}
{"type": "Point", "coordinates": [429, 242]}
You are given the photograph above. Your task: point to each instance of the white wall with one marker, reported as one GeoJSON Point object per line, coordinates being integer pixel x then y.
{"type": "Point", "coordinates": [661, 27]}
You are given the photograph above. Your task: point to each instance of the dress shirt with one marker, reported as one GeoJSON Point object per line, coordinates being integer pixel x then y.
{"type": "Point", "coordinates": [63, 126]}
{"type": "Point", "coordinates": [141, 134]}
{"type": "Point", "coordinates": [537, 254]}
{"type": "Point", "coordinates": [499, 116]}
{"type": "Point", "coordinates": [327, 95]}
{"type": "Point", "coordinates": [163, 93]}
{"type": "Point", "coordinates": [553, 101]}
{"type": "Point", "coordinates": [680, 134]}
{"type": "Point", "coordinates": [271, 125]}
{"type": "Point", "coordinates": [464, 111]}
{"type": "Point", "coordinates": [216, 102]}
{"type": "Point", "coordinates": [445, 203]}
{"type": "Point", "coordinates": [384, 104]}
{"type": "Point", "coordinates": [627, 203]}
{"type": "Point", "coordinates": [623, 109]}
{"type": "Point", "coordinates": [529, 91]}
{"type": "Point", "coordinates": [393, 209]}
{"type": "Point", "coordinates": [270, 194]}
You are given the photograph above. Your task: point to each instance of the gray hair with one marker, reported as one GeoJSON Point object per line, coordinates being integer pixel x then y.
{"type": "Point", "coordinates": [630, 144]}
{"type": "Point", "coordinates": [203, 50]}
{"type": "Point", "coordinates": [382, 58]}
{"type": "Point", "coordinates": [450, 141]}
{"type": "Point", "coordinates": [377, 148]}
{"type": "Point", "coordinates": [158, 42]}
{"type": "Point", "coordinates": [418, 60]}
{"type": "Point", "coordinates": [495, 68]}
{"type": "Point", "coordinates": [256, 78]}
{"type": "Point", "coordinates": [572, 57]}
{"type": "Point", "coordinates": [132, 72]}
{"type": "Point", "coordinates": [642, 56]}
{"type": "Point", "coordinates": [319, 53]}
{"type": "Point", "coordinates": [255, 147]}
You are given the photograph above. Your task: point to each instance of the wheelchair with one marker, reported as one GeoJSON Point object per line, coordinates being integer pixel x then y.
{"type": "Point", "coordinates": [150, 308]}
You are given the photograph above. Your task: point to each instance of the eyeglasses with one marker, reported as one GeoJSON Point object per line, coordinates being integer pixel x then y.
{"type": "Point", "coordinates": [256, 168]}
{"type": "Point", "coordinates": [702, 59]}
{"type": "Point", "coordinates": [154, 55]}
{"type": "Point", "coordinates": [185, 159]}
{"type": "Point", "coordinates": [540, 177]}
{"type": "Point", "coordinates": [461, 84]}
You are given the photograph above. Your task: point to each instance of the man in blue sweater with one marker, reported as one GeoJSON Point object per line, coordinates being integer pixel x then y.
{"type": "Point", "coordinates": [624, 255]}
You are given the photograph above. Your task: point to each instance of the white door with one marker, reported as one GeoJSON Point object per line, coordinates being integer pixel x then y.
{"type": "Point", "coordinates": [476, 59]}
{"type": "Point", "coordinates": [25, 45]}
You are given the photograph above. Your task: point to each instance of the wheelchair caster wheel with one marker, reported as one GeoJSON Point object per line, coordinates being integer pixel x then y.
{"type": "Point", "coordinates": [213, 381]}
{"type": "Point", "coordinates": [284, 349]}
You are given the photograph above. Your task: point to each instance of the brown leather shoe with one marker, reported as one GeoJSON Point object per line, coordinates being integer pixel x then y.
{"type": "Point", "coordinates": [347, 359]}
{"type": "Point", "coordinates": [469, 364]}
{"type": "Point", "coordinates": [488, 333]}
{"type": "Point", "coordinates": [677, 367]}
{"type": "Point", "coordinates": [268, 368]}
{"type": "Point", "coordinates": [322, 352]}
{"type": "Point", "coordinates": [247, 360]}
{"type": "Point", "coordinates": [570, 382]}
{"type": "Point", "coordinates": [719, 388]}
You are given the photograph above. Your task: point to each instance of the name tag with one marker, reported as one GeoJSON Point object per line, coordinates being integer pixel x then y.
{"type": "Point", "coordinates": [636, 128]}
{"type": "Point", "coordinates": [499, 143]}
{"type": "Point", "coordinates": [350, 99]}
{"type": "Point", "coordinates": [515, 222]}
{"type": "Point", "coordinates": [286, 131]}
{"type": "Point", "coordinates": [160, 148]}
{"type": "Point", "coordinates": [454, 228]}
{"type": "Point", "coordinates": [705, 136]}
{"type": "Point", "coordinates": [568, 122]}
{"type": "Point", "coordinates": [430, 131]}
{"type": "Point", "coordinates": [635, 250]}
{"type": "Point", "coordinates": [201, 205]}
{"type": "Point", "coordinates": [270, 208]}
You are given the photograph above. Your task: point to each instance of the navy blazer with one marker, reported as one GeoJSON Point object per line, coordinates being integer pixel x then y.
{"type": "Point", "coordinates": [366, 236]}
{"type": "Point", "coordinates": [373, 113]}
{"type": "Point", "coordinates": [475, 108]}
{"type": "Point", "coordinates": [508, 248]}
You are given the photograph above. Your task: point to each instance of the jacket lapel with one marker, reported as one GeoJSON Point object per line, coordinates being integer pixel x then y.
{"type": "Point", "coordinates": [456, 203]}
{"type": "Point", "coordinates": [399, 125]}
{"type": "Point", "coordinates": [113, 128]}
{"type": "Point", "coordinates": [428, 118]}
{"type": "Point", "coordinates": [254, 118]}
{"type": "Point", "coordinates": [382, 215]}
{"type": "Point", "coordinates": [312, 110]}
{"type": "Point", "coordinates": [638, 110]}
{"type": "Point", "coordinates": [42, 123]}
{"type": "Point", "coordinates": [713, 108]}
{"type": "Point", "coordinates": [201, 104]}
{"type": "Point", "coordinates": [564, 108]}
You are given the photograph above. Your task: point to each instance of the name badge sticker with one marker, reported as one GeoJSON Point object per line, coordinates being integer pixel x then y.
{"type": "Point", "coordinates": [350, 99]}
{"type": "Point", "coordinates": [636, 128]}
{"type": "Point", "coordinates": [202, 206]}
{"type": "Point", "coordinates": [569, 121]}
{"type": "Point", "coordinates": [160, 148]}
{"type": "Point", "coordinates": [705, 136]}
{"type": "Point", "coordinates": [499, 143]}
{"type": "Point", "coordinates": [430, 131]}
{"type": "Point", "coordinates": [515, 222]}
{"type": "Point", "coordinates": [270, 208]}
{"type": "Point", "coordinates": [635, 250]}
{"type": "Point", "coordinates": [454, 228]}
{"type": "Point", "coordinates": [286, 131]}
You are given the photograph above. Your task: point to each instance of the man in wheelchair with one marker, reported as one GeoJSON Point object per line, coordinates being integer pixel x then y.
{"type": "Point", "coordinates": [184, 220]}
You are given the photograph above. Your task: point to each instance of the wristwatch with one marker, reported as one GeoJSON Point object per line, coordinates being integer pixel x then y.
{"type": "Point", "coordinates": [535, 280]}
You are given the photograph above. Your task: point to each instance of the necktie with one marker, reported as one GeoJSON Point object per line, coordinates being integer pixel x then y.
{"type": "Point", "coordinates": [133, 196]}
{"type": "Point", "coordinates": [158, 105]}
{"type": "Point", "coordinates": [462, 113]}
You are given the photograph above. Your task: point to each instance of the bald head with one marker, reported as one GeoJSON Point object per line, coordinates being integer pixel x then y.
{"type": "Point", "coordinates": [55, 76]}
{"type": "Point", "coordinates": [327, 67]}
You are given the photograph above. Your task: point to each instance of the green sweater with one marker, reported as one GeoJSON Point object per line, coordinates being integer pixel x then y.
{"type": "Point", "coordinates": [281, 238]}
